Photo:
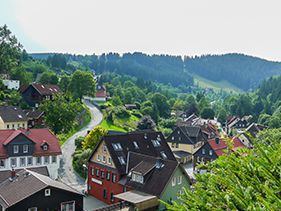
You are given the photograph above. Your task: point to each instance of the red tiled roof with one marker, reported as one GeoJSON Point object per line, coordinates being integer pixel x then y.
{"type": "Point", "coordinates": [221, 146]}
{"type": "Point", "coordinates": [38, 136]}
{"type": "Point", "coordinates": [101, 93]}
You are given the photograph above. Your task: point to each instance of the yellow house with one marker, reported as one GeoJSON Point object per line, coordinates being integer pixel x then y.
{"type": "Point", "coordinates": [12, 117]}
{"type": "Point", "coordinates": [186, 138]}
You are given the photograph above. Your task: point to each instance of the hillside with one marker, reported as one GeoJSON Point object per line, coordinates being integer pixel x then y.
{"type": "Point", "coordinates": [242, 71]}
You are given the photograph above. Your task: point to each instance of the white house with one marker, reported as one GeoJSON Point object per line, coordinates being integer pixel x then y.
{"type": "Point", "coordinates": [12, 84]}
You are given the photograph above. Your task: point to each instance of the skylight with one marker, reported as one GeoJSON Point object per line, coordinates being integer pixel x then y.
{"type": "Point", "coordinates": [163, 155]}
{"type": "Point", "coordinates": [121, 160]}
{"type": "Point", "coordinates": [155, 143]}
{"type": "Point", "coordinates": [136, 145]}
{"type": "Point", "coordinates": [117, 146]}
{"type": "Point", "coordinates": [20, 116]}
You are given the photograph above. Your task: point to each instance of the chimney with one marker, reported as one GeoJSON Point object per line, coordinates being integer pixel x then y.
{"type": "Point", "coordinates": [217, 140]}
{"type": "Point", "coordinates": [13, 173]}
{"type": "Point", "coordinates": [27, 131]}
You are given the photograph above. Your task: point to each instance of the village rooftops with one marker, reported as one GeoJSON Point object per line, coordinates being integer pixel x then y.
{"type": "Point", "coordinates": [43, 89]}
{"type": "Point", "coordinates": [12, 114]}
{"type": "Point", "coordinates": [219, 145]}
{"type": "Point", "coordinates": [24, 184]}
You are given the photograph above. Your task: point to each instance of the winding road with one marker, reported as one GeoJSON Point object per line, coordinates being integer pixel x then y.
{"type": "Point", "coordinates": [66, 173]}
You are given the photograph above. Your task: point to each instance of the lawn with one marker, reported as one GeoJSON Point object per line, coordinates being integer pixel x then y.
{"type": "Point", "coordinates": [217, 86]}
{"type": "Point", "coordinates": [109, 126]}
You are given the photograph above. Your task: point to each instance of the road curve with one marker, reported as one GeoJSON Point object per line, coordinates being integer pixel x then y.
{"type": "Point", "coordinates": [66, 173]}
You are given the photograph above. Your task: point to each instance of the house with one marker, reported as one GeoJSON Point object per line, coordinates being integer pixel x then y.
{"type": "Point", "coordinates": [28, 190]}
{"type": "Point", "coordinates": [255, 128]}
{"type": "Point", "coordinates": [35, 93]}
{"type": "Point", "coordinates": [101, 95]}
{"type": "Point", "coordinates": [12, 117]}
{"type": "Point", "coordinates": [182, 156]}
{"type": "Point", "coordinates": [212, 149]}
{"type": "Point", "coordinates": [11, 84]}
{"type": "Point", "coordinates": [35, 118]}
{"type": "Point", "coordinates": [131, 106]}
{"type": "Point", "coordinates": [156, 178]}
{"type": "Point", "coordinates": [187, 138]}
{"type": "Point", "coordinates": [108, 163]}
{"type": "Point", "coordinates": [29, 148]}
{"type": "Point", "coordinates": [235, 122]}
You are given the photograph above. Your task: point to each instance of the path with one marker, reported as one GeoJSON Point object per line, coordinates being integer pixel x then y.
{"type": "Point", "coordinates": [66, 172]}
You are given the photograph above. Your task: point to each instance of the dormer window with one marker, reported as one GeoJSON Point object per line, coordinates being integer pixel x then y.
{"type": "Point", "coordinates": [136, 145]}
{"type": "Point", "coordinates": [136, 177]}
{"type": "Point", "coordinates": [45, 147]}
{"type": "Point", "coordinates": [117, 147]}
{"type": "Point", "coordinates": [155, 143]}
{"type": "Point", "coordinates": [163, 155]}
{"type": "Point", "coordinates": [121, 160]}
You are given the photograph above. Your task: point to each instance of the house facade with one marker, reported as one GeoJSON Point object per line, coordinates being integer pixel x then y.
{"type": "Point", "coordinates": [12, 117]}
{"type": "Point", "coordinates": [35, 93]}
{"type": "Point", "coordinates": [186, 138]}
{"type": "Point", "coordinates": [107, 164]}
{"type": "Point", "coordinates": [27, 148]}
{"type": "Point", "coordinates": [37, 192]}
{"type": "Point", "coordinates": [101, 94]}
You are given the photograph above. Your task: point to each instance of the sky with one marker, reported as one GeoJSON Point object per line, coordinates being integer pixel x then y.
{"type": "Point", "coordinates": [176, 27]}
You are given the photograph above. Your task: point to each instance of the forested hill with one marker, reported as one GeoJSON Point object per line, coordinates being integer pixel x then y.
{"type": "Point", "coordinates": [245, 72]}
{"type": "Point", "coordinates": [162, 68]}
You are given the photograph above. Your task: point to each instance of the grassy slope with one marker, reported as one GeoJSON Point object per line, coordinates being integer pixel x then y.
{"type": "Point", "coordinates": [217, 86]}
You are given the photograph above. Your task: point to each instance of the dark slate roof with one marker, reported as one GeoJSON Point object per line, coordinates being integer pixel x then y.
{"type": "Point", "coordinates": [34, 114]}
{"type": "Point", "coordinates": [12, 114]}
{"type": "Point", "coordinates": [40, 170]}
{"type": "Point", "coordinates": [255, 128]}
{"type": "Point", "coordinates": [191, 131]}
{"type": "Point", "coordinates": [26, 184]}
{"type": "Point", "coordinates": [144, 143]}
{"type": "Point", "coordinates": [154, 181]}
{"type": "Point", "coordinates": [43, 89]}
{"type": "Point", "coordinates": [143, 167]}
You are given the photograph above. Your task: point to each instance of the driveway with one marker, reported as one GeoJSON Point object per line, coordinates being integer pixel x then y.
{"type": "Point", "coordinates": [66, 173]}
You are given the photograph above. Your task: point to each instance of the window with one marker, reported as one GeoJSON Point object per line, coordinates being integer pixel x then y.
{"type": "Point", "coordinates": [45, 147]}
{"type": "Point", "coordinates": [203, 151]}
{"type": "Point", "coordinates": [16, 149]}
{"type": "Point", "coordinates": [8, 126]}
{"type": "Point", "coordinates": [136, 145]}
{"type": "Point", "coordinates": [178, 132]}
{"type": "Point", "coordinates": [104, 193]}
{"type": "Point", "coordinates": [174, 181]}
{"type": "Point", "coordinates": [29, 161]}
{"type": "Point", "coordinates": [114, 179]}
{"type": "Point", "coordinates": [32, 209]}
{"type": "Point", "coordinates": [109, 160]}
{"type": "Point", "coordinates": [46, 159]}
{"type": "Point", "coordinates": [22, 161]}
{"type": "Point", "coordinates": [177, 145]}
{"type": "Point", "coordinates": [173, 144]}
{"type": "Point", "coordinates": [137, 178]}
{"type": "Point", "coordinates": [210, 152]}
{"type": "Point", "coordinates": [98, 159]}
{"type": "Point", "coordinates": [97, 172]}
{"type": "Point", "coordinates": [173, 138]}
{"type": "Point", "coordinates": [121, 160]}
{"type": "Point", "coordinates": [38, 160]}
{"type": "Point", "coordinates": [104, 148]}
{"type": "Point", "coordinates": [18, 125]}
{"type": "Point", "coordinates": [155, 143]}
{"type": "Point", "coordinates": [54, 159]}
{"type": "Point", "coordinates": [25, 148]}
{"type": "Point", "coordinates": [23, 125]}
{"type": "Point", "coordinates": [2, 163]}
{"type": "Point", "coordinates": [13, 162]}
{"type": "Point", "coordinates": [198, 159]}
{"type": "Point", "coordinates": [103, 158]}
{"type": "Point", "coordinates": [102, 174]}
{"type": "Point", "coordinates": [117, 146]}
{"type": "Point", "coordinates": [47, 192]}
{"type": "Point", "coordinates": [179, 180]}
{"type": "Point", "coordinates": [111, 197]}
{"type": "Point", "coordinates": [108, 176]}
{"type": "Point", "coordinates": [13, 126]}
{"type": "Point", "coordinates": [68, 206]}
{"type": "Point", "coordinates": [93, 171]}
{"type": "Point", "coordinates": [163, 155]}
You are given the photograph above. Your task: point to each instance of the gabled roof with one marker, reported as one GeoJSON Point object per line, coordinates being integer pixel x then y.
{"type": "Point", "coordinates": [38, 136]}
{"type": "Point", "coordinates": [158, 177]}
{"type": "Point", "coordinates": [27, 183]}
{"type": "Point", "coordinates": [221, 145]}
{"type": "Point", "coordinates": [12, 114]}
{"type": "Point", "coordinates": [40, 170]}
{"type": "Point", "coordinates": [43, 89]}
{"type": "Point", "coordinates": [33, 114]}
{"type": "Point", "coordinates": [144, 146]}
{"type": "Point", "coordinates": [254, 128]}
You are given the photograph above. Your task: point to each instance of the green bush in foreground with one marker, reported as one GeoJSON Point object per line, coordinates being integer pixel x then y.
{"type": "Point", "coordinates": [244, 180]}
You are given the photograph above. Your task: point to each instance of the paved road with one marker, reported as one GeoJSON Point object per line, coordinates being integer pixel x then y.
{"type": "Point", "coordinates": [66, 173]}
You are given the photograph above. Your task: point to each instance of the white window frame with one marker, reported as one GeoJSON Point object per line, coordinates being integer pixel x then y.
{"type": "Point", "coordinates": [38, 159]}
{"type": "Point", "coordinates": [25, 148]}
{"type": "Point", "coordinates": [66, 203]}
{"type": "Point", "coordinates": [211, 152]}
{"type": "Point", "coordinates": [48, 192]}
{"type": "Point", "coordinates": [15, 162]}
{"type": "Point", "coordinates": [46, 159]}
{"type": "Point", "coordinates": [31, 161]}
{"type": "Point", "coordinates": [2, 160]}
{"type": "Point", "coordinates": [45, 147]}
{"type": "Point", "coordinates": [103, 159]}
{"type": "Point", "coordinates": [179, 180]}
{"type": "Point", "coordinates": [24, 163]}
{"type": "Point", "coordinates": [16, 149]}
{"type": "Point", "coordinates": [54, 159]}
{"type": "Point", "coordinates": [98, 157]}
{"type": "Point", "coordinates": [109, 160]}
{"type": "Point", "coordinates": [174, 181]}
{"type": "Point", "coordinates": [203, 151]}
